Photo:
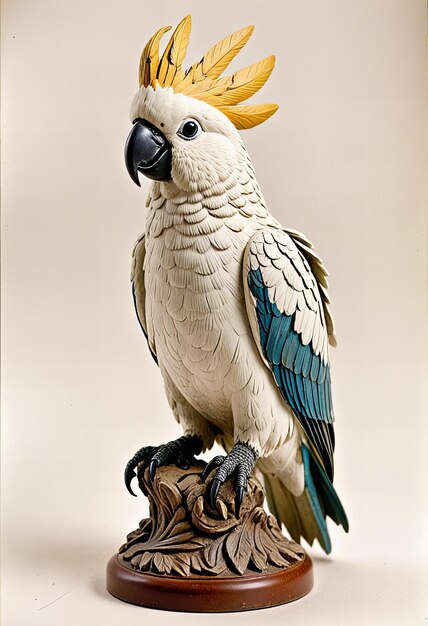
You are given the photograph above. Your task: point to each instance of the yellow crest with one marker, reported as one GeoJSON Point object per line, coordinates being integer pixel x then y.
{"type": "Point", "coordinates": [202, 80]}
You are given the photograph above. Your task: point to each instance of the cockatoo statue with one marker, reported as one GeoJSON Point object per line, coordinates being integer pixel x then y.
{"type": "Point", "coordinates": [233, 305]}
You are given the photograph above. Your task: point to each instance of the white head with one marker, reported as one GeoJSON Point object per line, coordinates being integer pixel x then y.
{"type": "Point", "coordinates": [205, 147]}
{"type": "Point", "coordinates": [185, 124]}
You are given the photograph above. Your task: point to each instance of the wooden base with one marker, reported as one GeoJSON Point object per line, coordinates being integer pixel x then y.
{"type": "Point", "coordinates": [209, 594]}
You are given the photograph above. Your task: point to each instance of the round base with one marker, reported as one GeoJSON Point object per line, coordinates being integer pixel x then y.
{"type": "Point", "coordinates": [210, 595]}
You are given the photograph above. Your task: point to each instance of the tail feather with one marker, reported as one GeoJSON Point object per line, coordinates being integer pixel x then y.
{"type": "Point", "coordinates": [305, 515]}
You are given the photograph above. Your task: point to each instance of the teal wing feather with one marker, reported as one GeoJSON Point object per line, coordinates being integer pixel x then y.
{"type": "Point", "coordinates": [288, 314]}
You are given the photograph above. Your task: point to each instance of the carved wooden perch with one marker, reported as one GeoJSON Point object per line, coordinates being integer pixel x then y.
{"type": "Point", "coordinates": [185, 537]}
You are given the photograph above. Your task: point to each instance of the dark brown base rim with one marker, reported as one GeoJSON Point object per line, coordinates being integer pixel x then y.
{"type": "Point", "coordinates": [210, 595]}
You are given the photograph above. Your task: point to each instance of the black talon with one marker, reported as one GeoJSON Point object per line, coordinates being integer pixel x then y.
{"type": "Point", "coordinates": [238, 500]}
{"type": "Point", "coordinates": [239, 462]}
{"type": "Point", "coordinates": [129, 475]}
{"type": "Point", "coordinates": [142, 455]}
{"type": "Point", "coordinates": [180, 451]}
{"type": "Point", "coordinates": [206, 471]}
{"type": "Point", "coordinates": [215, 486]}
{"type": "Point", "coordinates": [154, 464]}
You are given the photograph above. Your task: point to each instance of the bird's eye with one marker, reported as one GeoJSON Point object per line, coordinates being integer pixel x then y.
{"type": "Point", "coordinates": [189, 129]}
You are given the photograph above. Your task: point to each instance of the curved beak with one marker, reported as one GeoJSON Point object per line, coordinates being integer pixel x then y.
{"type": "Point", "coordinates": [147, 151]}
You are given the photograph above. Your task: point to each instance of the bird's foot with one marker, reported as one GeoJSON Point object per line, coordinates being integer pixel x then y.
{"type": "Point", "coordinates": [239, 462]}
{"type": "Point", "coordinates": [180, 451]}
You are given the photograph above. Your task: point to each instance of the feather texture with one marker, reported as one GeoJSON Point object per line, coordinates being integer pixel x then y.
{"type": "Point", "coordinates": [217, 59]}
{"type": "Point", "coordinates": [203, 80]}
{"type": "Point", "coordinates": [169, 72]}
{"type": "Point", "coordinates": [149, 60]}
{"type": "Point", "coordinates": [139, 289]}
{"type": "Point", "coordinates": [286, 314]}
{"type": "Point", "coordinates": [305, 515]}
{"type": "Point", "coordinates": [204, 323]}
{"type": "Point", "coordinates": [241, 85]}
{"type": "Point", "coordinates": [321, 274]}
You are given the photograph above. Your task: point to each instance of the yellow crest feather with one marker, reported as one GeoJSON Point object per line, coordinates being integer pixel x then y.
{"type": "Point", "coordinates": [149, 60]}
{"type": "Point", "coordinates": [249, 115]}
{"type": "Point", "coordinates": [202, 80]}
{"type": "Point", "coordinates": [215, 61]}
{"type": "Point", "coordinates": [169, 71]}
{"type": "Point", "coordinates": [240, 86]}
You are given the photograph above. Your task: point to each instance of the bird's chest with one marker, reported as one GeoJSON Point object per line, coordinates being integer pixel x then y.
{"type": "Point", "coordinates": [196, 311]}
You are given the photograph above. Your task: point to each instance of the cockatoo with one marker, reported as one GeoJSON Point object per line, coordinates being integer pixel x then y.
{"type": "Point", "coordinates": [233, 305]}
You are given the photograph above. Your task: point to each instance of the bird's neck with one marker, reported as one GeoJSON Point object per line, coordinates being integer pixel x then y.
{"type": "Point", "coordinates": [237, 193]}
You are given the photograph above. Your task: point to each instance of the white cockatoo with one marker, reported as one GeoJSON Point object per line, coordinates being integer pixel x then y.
{"type": "Point", "coordinates": [234, 306]}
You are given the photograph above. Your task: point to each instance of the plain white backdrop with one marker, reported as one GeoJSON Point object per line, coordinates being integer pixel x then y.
{"type": "Point", "coordinates": [344, 160]}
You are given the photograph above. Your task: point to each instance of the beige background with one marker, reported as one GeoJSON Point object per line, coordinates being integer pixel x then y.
{"type": "Point", "coordinates": [344, 160]}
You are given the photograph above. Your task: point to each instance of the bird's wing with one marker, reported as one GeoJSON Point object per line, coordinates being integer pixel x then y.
{"type": "Point", "coordinates": [288, 308]}
{"type": "Point", "coordinates": [139, 290]}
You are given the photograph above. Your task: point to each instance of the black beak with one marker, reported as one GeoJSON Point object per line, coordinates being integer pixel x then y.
{"type": "Point", "coordinates": [148, 151]}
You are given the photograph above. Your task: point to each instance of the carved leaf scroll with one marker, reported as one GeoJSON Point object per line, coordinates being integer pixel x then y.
{"type": "Point", "coordinates": [185, 536]}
